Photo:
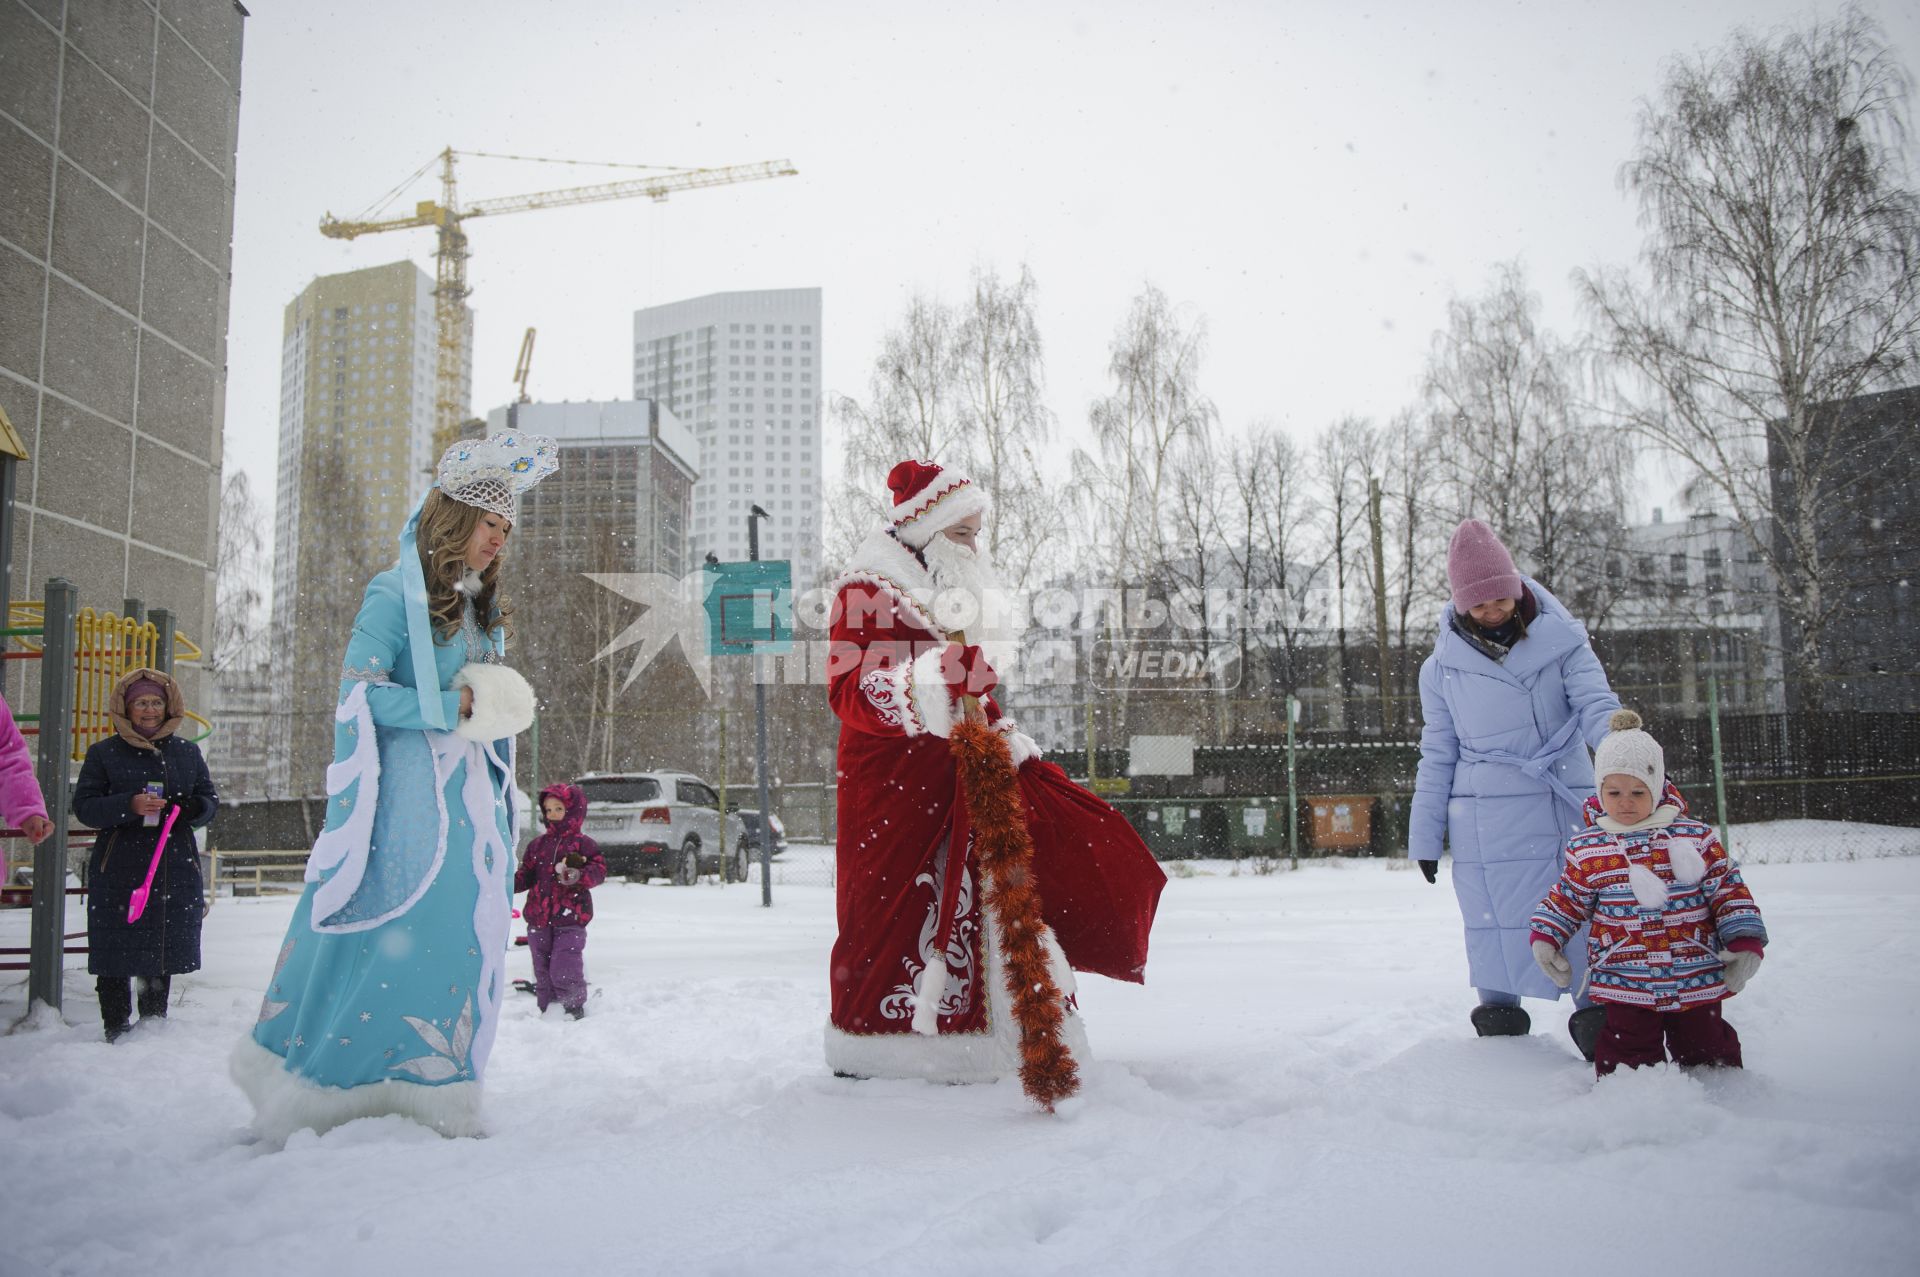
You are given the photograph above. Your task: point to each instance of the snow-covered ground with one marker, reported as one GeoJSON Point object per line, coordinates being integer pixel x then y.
{"type": "Point", "coordinates": [1295, 1091]}
{"type": "Point", "coordinates": [1784, 842]}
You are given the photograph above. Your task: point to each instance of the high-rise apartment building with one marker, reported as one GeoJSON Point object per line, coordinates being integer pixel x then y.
{"type": "Point", "coordinates": [622, 497]}
{"type": "Point", "coordinates": [357, 368]}
{"type": "Point", "coordinates": [742, 370]}
{"type": "Point", "coordinates": [619, 504]}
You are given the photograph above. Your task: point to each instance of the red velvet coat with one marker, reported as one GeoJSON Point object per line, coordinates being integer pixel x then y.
{"type": "Point", "coordinates": [1098, 882]}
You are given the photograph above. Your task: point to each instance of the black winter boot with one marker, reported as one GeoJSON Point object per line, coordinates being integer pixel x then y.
{"type": "Point", "coordinates": [116, 1004]}
{"type": "Point", "coordinates": [1584, 1027]}
{"type": "Point", "coordinates": [154, 992]}
{"type": "Point", "coordinates": [578, 1012]}
{"type": "Point", "coordinates": [1501, 1022]}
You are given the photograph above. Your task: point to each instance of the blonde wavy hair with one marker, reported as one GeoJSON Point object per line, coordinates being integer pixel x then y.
{"type": "Point", "coordinates": [445, 527]}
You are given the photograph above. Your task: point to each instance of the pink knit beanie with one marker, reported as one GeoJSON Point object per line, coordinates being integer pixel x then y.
{"type": "Point", "coordinates": [1478, 567]}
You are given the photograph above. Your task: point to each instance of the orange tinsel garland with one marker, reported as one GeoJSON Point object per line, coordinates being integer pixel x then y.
{"type": "Point", "coordinates": [1048, 1072]}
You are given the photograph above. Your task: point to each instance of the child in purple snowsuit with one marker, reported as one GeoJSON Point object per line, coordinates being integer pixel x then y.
{"type": "Point", "coordinates": [557, 872]}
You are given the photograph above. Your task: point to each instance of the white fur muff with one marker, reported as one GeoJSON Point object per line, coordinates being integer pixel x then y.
{"type": "Point", "coordinates": [503, 702]}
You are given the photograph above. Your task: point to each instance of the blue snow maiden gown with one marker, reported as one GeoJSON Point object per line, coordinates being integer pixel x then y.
{"type": "Point", "coordinates": [387, 990]}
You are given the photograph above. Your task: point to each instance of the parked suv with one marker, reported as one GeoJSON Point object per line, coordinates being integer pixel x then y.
{"type": "Point", "coordinates": [750, 832]}
{"type": "Point", "coordinates": [661, 825]}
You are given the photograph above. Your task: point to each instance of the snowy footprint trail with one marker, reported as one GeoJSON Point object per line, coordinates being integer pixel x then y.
{"type": "Point", "coordinates": [1296, 1090]}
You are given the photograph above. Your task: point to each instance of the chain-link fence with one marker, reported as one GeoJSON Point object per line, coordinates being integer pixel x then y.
{"type": "Point", "coordinates": [1798, 771]}
{"type": "Point", "coordinates": [1789, 772]}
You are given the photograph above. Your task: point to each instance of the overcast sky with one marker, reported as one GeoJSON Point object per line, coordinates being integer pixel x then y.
{"type": "Point", "coordinates": [1314, 180]}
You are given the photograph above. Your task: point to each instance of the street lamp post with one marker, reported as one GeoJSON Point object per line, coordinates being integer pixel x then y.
{"type": "Point", "coordinates": [754, 515]}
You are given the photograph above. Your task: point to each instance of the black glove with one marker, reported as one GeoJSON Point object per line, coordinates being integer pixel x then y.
{"type": "Point", "coordinates": [1431, 868]}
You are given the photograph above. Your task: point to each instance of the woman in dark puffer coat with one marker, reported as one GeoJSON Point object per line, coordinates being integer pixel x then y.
{"type": "Point", "coordinates": [133, 775]}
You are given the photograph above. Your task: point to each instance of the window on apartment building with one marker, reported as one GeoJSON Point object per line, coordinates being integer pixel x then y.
{"type": "Point", "coordinates": [768, 345]}
{"type": "Point", "coordinates": [1677, 566]}
{"type": "Point", "coordinates": [806, 328]}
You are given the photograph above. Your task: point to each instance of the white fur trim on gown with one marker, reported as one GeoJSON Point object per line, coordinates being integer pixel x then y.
{"type": "Point", "coordinates": [283, 1103]}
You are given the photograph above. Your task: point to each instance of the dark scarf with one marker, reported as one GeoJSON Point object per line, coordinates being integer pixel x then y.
{"type": "Point", "coordinates": [1495, 641]}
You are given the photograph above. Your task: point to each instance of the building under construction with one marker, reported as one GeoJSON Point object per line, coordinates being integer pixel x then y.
{"type": "Point", "coordinates": [358, 370]}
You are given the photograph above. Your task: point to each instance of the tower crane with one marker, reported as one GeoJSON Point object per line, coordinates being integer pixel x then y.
{"type": "Point", "coordinates": [523, 367]}
{"type": "Point", "coordinates": [448, 217]}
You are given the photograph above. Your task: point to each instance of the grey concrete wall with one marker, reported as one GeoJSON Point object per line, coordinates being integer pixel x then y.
{"type": "Point", "coordinates": [118, 124]}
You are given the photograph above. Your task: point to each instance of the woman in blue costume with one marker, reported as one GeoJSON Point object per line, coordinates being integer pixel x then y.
{"type": "Point", "coordinates": [387, 989]}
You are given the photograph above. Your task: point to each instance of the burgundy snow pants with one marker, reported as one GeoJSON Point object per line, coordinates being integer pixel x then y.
{"type": "Point", "coordinates": [1632, 1036]}
{"type": "Point", "coordinates": [559, 965]}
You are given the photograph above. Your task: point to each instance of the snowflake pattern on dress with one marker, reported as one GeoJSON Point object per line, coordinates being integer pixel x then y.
{"type": "Point", "coordinates": [449, 1058]}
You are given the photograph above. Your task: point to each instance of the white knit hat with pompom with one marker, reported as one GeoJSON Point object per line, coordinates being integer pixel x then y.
{"type": "Point", "coordinates": [1628, 750]}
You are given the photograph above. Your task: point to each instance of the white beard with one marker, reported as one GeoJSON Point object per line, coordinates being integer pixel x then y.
{"type": "Point", "coordinates": [954, 567]}
{"type": "Point", "coordinates": [971, 598]}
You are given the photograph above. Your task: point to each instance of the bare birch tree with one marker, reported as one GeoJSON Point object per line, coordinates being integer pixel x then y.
{"type": "Point", "coordinates": [999, 372]}
{"type": "Point", "coordinates": [1291, 557]}
{"type": "Point", "coordinates": [1155, 405]}
{"type": "Point", "coordinates": [1512, 446]}
{"type": "Point", "coordinates": [1416, 546]}
{"type": "Point", "coordinates": [912, 404]}
{"type": "Point", "coordinates": [1340, 466]}
{"type": "Point", "coordinates": [1195, 564]}
{"type": "Point", "coordinates": [1782, 279]}
{"type": "Point", "coordinates": [241, 548]}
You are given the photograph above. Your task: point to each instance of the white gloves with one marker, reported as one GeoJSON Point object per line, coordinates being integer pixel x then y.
{"type": "Point", "coordinates": [1739, 969]}
{"type": "Point", "coordinates": [1553, 962]}
{"type": "Point", "coordinates": [566, 874]}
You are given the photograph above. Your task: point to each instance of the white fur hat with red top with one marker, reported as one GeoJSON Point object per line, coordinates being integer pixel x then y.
{"type": "Point", "coordinates": [928, 497]}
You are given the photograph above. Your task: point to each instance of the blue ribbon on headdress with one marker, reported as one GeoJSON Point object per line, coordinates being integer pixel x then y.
{"type": "Point", "coordinates": [413, 583]}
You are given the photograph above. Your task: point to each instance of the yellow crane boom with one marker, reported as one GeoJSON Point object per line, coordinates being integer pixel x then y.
{"type": "Point", "coordinates": [447, 217]}
{"type": "Point", "coordinates": [523, 367]}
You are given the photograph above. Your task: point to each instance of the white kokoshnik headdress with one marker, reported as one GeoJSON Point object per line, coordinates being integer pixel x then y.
{"type": "Point", "coordinates": [492, 473]}
{"type": "Point", "coordinates": [489, 474]}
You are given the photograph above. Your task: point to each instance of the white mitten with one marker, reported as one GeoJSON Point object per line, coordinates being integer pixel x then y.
{"type": "Point", "coordinates": [1739, 969]}
{"type": "Point", "coordinates": [1553, 962]}
{"type": "Point", "coordinates": [566, 874]}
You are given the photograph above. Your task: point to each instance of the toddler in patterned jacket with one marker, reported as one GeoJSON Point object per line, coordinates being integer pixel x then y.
{"type": "Point", "coordinates": [558, 872]}
{"type": "Point", "coordinates": [1675, 932]}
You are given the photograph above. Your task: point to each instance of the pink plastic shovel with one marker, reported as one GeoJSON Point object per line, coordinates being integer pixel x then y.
{"type": "Point", "coordinates": [138, 905]}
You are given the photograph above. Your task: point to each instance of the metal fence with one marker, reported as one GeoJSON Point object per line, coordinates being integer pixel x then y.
{"type": "Point", "coordinates": [1783, 785]}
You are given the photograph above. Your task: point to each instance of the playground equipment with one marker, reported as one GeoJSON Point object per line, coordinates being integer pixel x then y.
{"type": "Point", "coordinates": [82, 653]}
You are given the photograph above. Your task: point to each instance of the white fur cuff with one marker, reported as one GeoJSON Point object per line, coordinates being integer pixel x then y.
{"type": "Point", "coordinates": [503, 702]}
{"type": "Point", "coordinates": [1022, 746]}
{"type": "Point", "coordinates": [931, 696]}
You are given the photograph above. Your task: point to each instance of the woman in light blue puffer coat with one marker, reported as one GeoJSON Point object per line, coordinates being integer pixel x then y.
{"type": "Point", "coordinates": [1513, 697]}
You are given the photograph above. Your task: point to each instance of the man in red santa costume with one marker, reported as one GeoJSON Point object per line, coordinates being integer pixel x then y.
{"type": "Point", "coordinates": [900, 1007]}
